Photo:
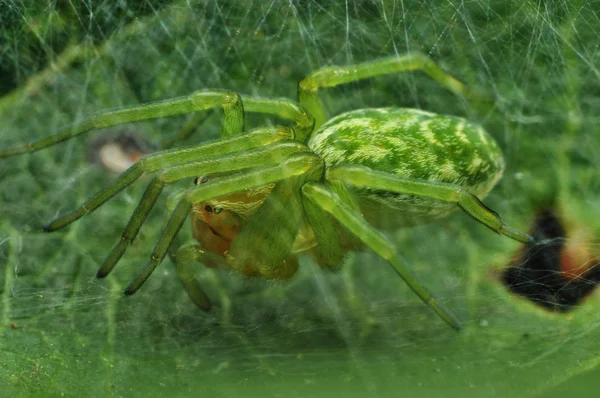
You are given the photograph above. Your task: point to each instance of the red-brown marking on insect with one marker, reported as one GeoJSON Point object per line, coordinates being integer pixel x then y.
{"type": "Point", "coordinates": [560, 269]}
{"type": "Point", "coordinates": [577, 258]}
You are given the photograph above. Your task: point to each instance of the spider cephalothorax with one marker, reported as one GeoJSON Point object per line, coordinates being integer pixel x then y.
{"type": "Point", "coordinates": [267, 195]}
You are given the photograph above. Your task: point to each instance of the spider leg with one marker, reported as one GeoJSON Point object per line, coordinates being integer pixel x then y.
{"type": "Point", "coordinates": [365, 177]}
{"type": "Point", "coordinates": [183, 260]}
{"type": "Point", "coordinates": [294, 165]}
{"type": "Point", "coordinates": [262, 248]}
{"type": "Point", "coordinates": [233, 117]}
{"type": "Point", "coordinates": [330, 252]}
{"type": "Point", "coordinates": [322, 196]}
{"type": "Point", "coordinates": [281, 107]}
{"type": "Point", "coordinates": [186, 129]}
{"type": "Point", "coordinates": [155, 161]}
{"type": "Point", "coordinates": [271, 154]}
{"type": "Point", "coordinates": [284, 108]}
{"type": "Point", "coordinates": [331, 76]}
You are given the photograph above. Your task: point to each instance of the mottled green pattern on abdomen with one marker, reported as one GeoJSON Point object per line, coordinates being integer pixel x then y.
{"type": "Point", "coordinates": [415, 144]}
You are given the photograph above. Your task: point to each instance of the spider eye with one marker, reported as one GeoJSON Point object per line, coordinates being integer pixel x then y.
{"type": "Point", "coordinates": [218, 210]}
{"type": "Point", "coordinates": [208, 208]}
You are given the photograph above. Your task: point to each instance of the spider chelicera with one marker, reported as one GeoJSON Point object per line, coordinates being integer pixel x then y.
{"type": "Point", "coordinates": [321, 187]}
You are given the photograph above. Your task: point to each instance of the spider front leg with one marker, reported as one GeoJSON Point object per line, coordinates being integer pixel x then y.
{"type": "Point", "coordinates": [293, 166]}
{"type": "Point", "coordinates": [327, 200]}
{"type": "Point", "coordinates": [262, 246]}
{"type": "Point", "coordinates": [233, 117]}
{"type": "Point", "coordinates": [284, 108]}
{"type": "Point", "coordinates": [365, 177]}
{"type": "Point", "coordinates": [233, 122]}
{"type": "Point", "coordinates": [187, 258]}
{"type": "Point", "coordinates": [219, 164]}
{"type": "Point", "coordinates": [155, 161]}
{"type": "Point", "coordinates": [331, 76]}
{"type": "Point", "coordinates": [184, 259]}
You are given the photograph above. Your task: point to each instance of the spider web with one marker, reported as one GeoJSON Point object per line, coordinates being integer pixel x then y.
{"type": "Point", "coordinates": [354, 331]}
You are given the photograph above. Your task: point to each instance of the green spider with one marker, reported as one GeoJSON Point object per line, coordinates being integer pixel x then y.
{"type": "Point", "coordinates": [318, 187]}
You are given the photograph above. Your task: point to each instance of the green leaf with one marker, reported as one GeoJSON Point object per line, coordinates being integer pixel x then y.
{"type": "Point", "coordinates": [354, 332]}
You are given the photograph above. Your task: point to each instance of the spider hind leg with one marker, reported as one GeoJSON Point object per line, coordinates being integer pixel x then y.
{"type": "Point", "coordinates": [322, 196]}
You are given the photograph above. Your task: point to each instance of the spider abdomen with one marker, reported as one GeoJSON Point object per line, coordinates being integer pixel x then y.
{"type": "Point", "coordinates": [415, 144]}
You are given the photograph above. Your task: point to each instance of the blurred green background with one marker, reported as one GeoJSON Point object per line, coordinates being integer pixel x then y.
{"type": "Point", "coordinates": [353, 332]}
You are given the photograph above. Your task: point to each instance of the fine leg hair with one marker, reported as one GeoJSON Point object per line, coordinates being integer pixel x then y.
{"type": "Point", "coordinates": [271, 154]}
{"type": "Point", "coordinates": [292, 166]}
{"type": "Point", "coordinates": [365, 177]}
{"type": "Point", "coordinates": [326, 199]}
{"type": "Point", "coordinates": [331, 76]}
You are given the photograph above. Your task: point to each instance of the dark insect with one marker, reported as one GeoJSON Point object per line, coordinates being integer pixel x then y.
{"type": "Point", "coordinates": [553, 272]}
